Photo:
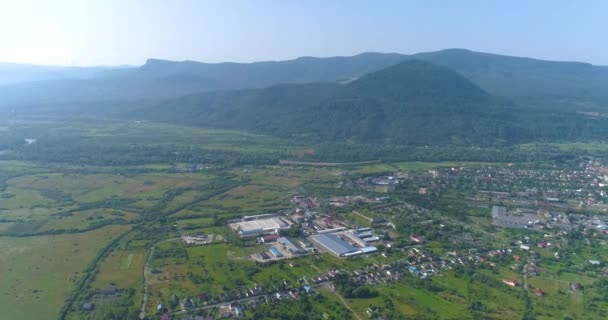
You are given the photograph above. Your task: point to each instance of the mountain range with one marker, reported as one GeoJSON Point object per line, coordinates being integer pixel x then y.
{"type": "Point", "coordinates": [448, 96]}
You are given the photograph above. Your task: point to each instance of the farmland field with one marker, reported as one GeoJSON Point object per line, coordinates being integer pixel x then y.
{"type": "Point", "coordinates": [39, 272]}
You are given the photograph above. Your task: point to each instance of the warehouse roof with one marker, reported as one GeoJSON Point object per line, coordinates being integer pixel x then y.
{"type": "Point", "coordinates": [334, 244]}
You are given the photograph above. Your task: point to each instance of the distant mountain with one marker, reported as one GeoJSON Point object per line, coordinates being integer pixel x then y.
{"type": "Point", "coordinates": [231, 75]}
{"type": "Point", "coordinates": [414, 102]}
{"type": "Point", "coordinates": [534, 83]}
{"type": "Point", "coordinates": [162, 79]}
{"type": "Point", "coordinates": [13, 73]}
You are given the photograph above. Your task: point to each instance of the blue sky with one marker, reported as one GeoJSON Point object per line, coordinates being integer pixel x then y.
{"type": "Point", "coordinates": [114, 32]}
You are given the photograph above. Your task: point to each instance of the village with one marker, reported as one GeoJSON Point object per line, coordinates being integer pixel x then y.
{"type": "Point", "coordinates": [555, 208]}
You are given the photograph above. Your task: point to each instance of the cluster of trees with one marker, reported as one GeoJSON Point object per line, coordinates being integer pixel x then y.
{"type": "Point", "coordinates": [348, 289]}
{"type": "Point", "coordinates": [85, 152]}
{"type": "Point", "coordinates": [303, 309]}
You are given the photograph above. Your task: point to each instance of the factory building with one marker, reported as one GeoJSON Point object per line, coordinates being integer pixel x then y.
{"type": "Point", "coordinates": [335, 245]}
{"type": "Point", "coordinates": [290, 246]}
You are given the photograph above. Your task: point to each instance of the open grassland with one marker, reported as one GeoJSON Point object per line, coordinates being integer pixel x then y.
{"type": "Point", "coordinates": [121, 268]}
{"type": "Point", "coordinates": [262, 190]}
{"type": "Point", "coordinates": [41, 203]}
{"type": "Point", "coordinates": [246, 199]}
{"type": "Point", "coordinates": [415, 166]}
{"type": "Point", "coordinates": [95, 187]}
{"type": "Point", "coordinates": [39, 272]}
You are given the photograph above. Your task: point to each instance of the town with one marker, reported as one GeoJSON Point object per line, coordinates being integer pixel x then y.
{"type": "Point", "coordinates": [523, 223]}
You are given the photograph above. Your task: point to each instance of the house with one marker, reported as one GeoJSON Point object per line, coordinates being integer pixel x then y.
{"type": "Point", "coordinates": [377, 220]}
{"type": "Point", "coordinates": [496, 253]}
{"type": "Point", "coordinates": [174, 300]}
{"type": "Point", "coordinates": [238, 312]}
{"type": "Point", "coordinates": [109, 291]}
{"type": "Point", "coordinates": [308, 289]}
{"type": "Point", "coordinates": [294, 293]}
{"type": "Point", "coordinates": [543, 244]}
{"type": "Point", "coordinates": [234, 305]}
{"type": "Point", "coordinates": [416, 238]}
{"type": "Point", "coordinates": [524, 247]}
{"type": "Point", "coordinates": [160, 307]}
{"type": "Point", "coordinates": [371, 310]}
{"type": "Point", "coordinates": [512, 283]}
{"type": "Point", "coordinates": [539, 292]}
{"type": "Point", "coordinates": [165, 317]}
{"type": "Point", "coordinates": [88, 306]}
{"type": "Point", "coordinates": [188, 303]}
{"type": "Point", "coordinates": [595, 262]}
{"type": "Point", "coordinates": [517, 258]}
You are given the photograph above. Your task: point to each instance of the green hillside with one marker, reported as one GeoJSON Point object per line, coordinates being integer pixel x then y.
{"type": "Point", "coordinates": [414, 102]}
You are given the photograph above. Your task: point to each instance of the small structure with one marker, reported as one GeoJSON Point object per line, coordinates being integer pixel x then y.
{"type": "Point", "coordinates": [543, 244]}
{"type": "Point", "coordinates": [268, 238]}
{"type": "Point", "coordinates": [188, 303]}
{"type": "Point", "coordinates": [509, 282]}
{"type": "Point", "coordinates": [371, 310]}
{"type": "Point", "coordinates": [88, 306]}
{"type": "Point", "coordinates": [416, 238]}
{"type": "Point", "coordinates": [377, 220]}
{"type": "Point", "coordinates": [539, 292]}
{"type": "Point", "coordinates": [174, 300]}
{"type": "Point", "coordinates": [275, 252]}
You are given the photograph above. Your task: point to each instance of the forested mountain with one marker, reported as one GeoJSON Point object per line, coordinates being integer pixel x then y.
{"type": "Point", "coordinates": [449, 96]}
{"type": "Point", "coordinates": [414, 102]}
{"type": "Point", "coordinates": [534, 83]}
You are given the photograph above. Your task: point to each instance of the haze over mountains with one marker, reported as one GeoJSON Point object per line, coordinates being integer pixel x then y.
{"type": "Point", "coordinates": [449, 96]}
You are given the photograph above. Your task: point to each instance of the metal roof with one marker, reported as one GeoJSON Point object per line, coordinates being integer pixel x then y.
{"type": "Point", "coordinates": [334, 244]}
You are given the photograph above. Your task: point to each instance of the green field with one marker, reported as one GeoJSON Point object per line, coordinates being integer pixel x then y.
{"type": "Point", "coordinates": [38, 273]}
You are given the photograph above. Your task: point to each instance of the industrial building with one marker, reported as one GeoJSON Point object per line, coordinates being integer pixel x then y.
{"type": "Point", "coordinates": [256, 227]}
{"type": "Point", "coordinates": [335, 245]}
{"type": "Point", "coordinates": [290, 246]}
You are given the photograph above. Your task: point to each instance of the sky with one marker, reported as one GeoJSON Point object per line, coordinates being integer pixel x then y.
{"type": "Point", "coordinates": [119, 32]}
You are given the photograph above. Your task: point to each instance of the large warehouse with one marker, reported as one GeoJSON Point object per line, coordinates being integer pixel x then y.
{"type": "Point", "coordinates": [335, 245]}
{"type": "Point", "coordinates": [250, 228]}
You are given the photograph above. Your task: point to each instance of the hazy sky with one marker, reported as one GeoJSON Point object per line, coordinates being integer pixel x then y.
{"type": "Point", "coordinates": [102, 32]}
